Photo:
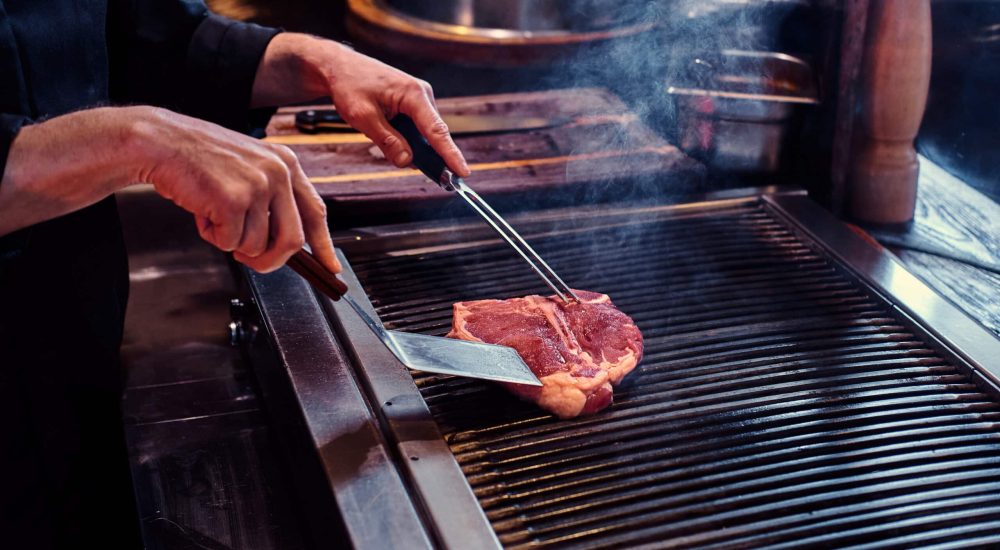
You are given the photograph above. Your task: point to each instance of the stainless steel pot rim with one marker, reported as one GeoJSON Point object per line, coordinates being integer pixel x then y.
{"type": "Point", "coordinates": [379, 13]}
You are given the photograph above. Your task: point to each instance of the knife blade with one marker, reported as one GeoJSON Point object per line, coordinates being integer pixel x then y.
{"type": "Point", "coordinates": [314, 121]}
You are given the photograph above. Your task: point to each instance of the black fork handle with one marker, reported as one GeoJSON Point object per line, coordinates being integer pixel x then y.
{"type": "Point", "coordinates": [425, 158]}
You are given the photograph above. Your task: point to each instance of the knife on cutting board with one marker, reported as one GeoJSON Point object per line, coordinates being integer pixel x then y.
{"type": "Point", "coordinates": [315, 121]}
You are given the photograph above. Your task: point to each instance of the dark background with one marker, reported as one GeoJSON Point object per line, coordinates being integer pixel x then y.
{"type": "Point", "coordinates": [961, 128]}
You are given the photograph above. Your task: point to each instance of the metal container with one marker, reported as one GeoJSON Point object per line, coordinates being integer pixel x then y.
{"type": "Point", "coordinates": [474, 33]}
{"type": "Point", "coordinates": [736, 110]}
{"type": "Point", "coordinates": [517, 18]}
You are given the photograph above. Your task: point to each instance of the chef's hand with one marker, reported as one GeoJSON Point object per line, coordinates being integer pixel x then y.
{"type": "Point", "coordinates": [247, 196]}
{"type": "Point", "coordinates": [366, 92]}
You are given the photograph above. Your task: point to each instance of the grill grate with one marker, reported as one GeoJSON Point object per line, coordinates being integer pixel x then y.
{"type": "Point", "coordinates": [778, 402]}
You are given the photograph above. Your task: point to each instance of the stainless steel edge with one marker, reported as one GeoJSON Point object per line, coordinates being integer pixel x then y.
{"type": "Point", "coordinates": [876, 266]}
{"type": "Point", "coordinates": [472, 231]}
{"type": "Point", "coordinates": [437, 480]}
{"type": "Point", "coordinates": [355, 458]}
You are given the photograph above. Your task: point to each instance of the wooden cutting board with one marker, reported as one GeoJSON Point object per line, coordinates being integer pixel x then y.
{"type": "Point", "coordinates": [601, 144]}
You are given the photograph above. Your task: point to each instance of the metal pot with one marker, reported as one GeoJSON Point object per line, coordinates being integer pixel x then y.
{"type": "Point", "coordinates": [513, 18]}
{"type": "Point", "coordinates": [512, 33]}
{"type": "Point", "coordinates": [735, 110]}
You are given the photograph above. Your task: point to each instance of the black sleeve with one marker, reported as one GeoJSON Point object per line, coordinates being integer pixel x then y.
{"type": "Point", "coordinates": [10, 125]}
{"type": "Point", "coordinates": [11, 244]}
{"type": "Point", "coordinates": [176, 54]}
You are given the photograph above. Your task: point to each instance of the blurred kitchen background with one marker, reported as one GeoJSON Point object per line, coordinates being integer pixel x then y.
{"type": "Point", "coordinates": [769, 65]}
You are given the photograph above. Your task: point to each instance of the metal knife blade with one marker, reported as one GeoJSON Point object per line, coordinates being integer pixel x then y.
{"type": "Point", "coordinates": [313, 121]}
{"type": "Point", "coordinates": [447, 356]}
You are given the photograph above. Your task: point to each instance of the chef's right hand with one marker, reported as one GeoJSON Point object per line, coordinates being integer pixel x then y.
{"type": "Point", "coordinates": [248, 197]}
{"type": "Point", "coordinates": [367, 93]}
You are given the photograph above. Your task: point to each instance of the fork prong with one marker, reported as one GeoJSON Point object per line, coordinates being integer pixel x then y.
{"type": "Point", "coordinates": [514, 238]}
{"type": "Point", "coordinates": [489, 220]}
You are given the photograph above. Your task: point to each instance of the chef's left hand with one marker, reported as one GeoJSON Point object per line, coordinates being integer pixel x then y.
{"type": "Point", "coordinates": [366, 92]}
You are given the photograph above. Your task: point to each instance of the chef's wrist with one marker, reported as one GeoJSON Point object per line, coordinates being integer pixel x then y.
{"type": "Point", "coordinates": [142, 139]}
{"type": "Point", "coordinates": [65, 163]}
{"type": "Point", "coordinates": [296, 67]}
{"type": "Point", "coordinates": [94, 146]}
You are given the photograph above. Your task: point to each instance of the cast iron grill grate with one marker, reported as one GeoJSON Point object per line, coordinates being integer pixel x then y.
{"type": "Point", "coordinates": [778, 403]}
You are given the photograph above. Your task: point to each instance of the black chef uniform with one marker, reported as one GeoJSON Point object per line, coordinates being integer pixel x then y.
{"type": "Point", "coordinates": [64, 477]}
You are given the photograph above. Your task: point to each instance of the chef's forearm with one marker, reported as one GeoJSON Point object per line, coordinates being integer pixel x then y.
{"type": "Point", "coordinates": [65, 164]}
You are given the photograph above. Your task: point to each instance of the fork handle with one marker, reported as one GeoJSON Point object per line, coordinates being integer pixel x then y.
{"type": "Point", "coordinates": [425, 158]}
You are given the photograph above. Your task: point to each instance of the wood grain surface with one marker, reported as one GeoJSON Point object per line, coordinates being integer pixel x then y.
{"type": "Point", "coordinates": [600, 142]}
{"type": "Point", "coordinates": [951, 218]}
{"type": "Point", "coordinates": [953, 243]}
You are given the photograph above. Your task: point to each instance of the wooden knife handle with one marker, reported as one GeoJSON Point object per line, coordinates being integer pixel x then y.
{"type": "Point", "coordinates": [306, 265]}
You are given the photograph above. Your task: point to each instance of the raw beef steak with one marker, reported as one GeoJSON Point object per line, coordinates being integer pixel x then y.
{"type": "Point", "coordinates": [577, 350]}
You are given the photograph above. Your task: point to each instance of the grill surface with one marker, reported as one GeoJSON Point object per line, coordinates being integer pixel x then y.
{"type": "Point", "coordinates": [780, 402]}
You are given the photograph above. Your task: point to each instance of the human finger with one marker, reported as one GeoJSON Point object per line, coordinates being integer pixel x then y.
{"type": "Point", "coordinates": [312, 211]}
{"type": "Point", "coordinates": [256, 232]}
{"type": "Point", "coordinates": [370, 121]}
{"type": "Point", "coordinates": [223, 227]}
{"type": "Point", "coordinates": [286, 236]}
{"type": "Point", "coordinates": [420, 108]}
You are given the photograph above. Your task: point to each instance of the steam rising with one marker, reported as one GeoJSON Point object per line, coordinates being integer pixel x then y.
{"type": "Point", "coordinates": [683, 48]}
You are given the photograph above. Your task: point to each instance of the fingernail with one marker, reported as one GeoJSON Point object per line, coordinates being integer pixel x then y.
{"type": "Point", "coordinates": [402, 159]}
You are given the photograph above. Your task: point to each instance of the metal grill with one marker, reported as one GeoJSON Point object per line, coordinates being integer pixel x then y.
{"type": "Point", "coordinates": [780, 402]}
